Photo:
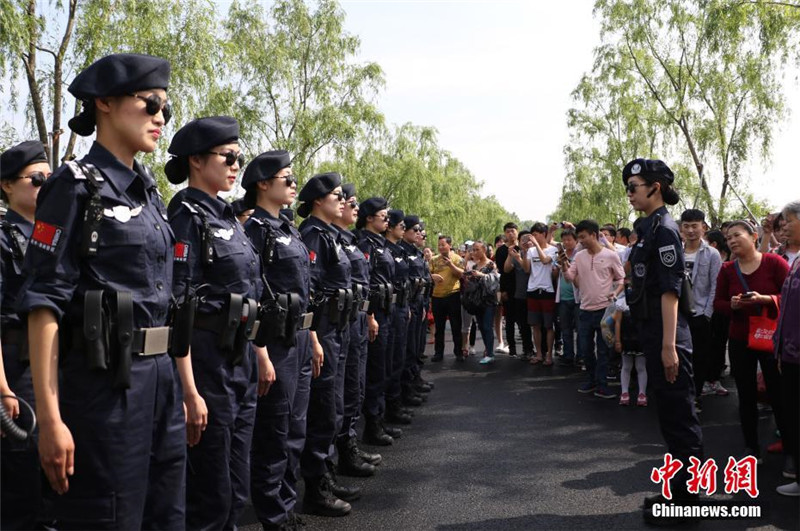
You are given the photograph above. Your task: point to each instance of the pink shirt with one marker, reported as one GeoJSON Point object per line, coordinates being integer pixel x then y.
{"type": "Point", "coordinates": [595, 275]}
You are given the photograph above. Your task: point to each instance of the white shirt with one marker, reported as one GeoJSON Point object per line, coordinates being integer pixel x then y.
{"type": "Point", "coordinates": [540, 275]}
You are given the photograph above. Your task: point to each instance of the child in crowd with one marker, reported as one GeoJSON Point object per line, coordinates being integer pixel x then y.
{"type": "Point", "coordinates": [627, 344]}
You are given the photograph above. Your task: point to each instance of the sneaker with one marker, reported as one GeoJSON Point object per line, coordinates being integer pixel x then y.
{"type": "Point", "coordinates": [501, 349]}
{"type": "Point", "coordinates": [605, 393]}
{"type": "Point", "coordinates": [641, 400]}
{"type": "Point", "coordinates": [792, 489]}
{"type": "Point", "coordinates": [708, 389]}
{"type": "Point", "coordinates": [587, 388]}
{"type": "Point", "coordinates": [471, 351]}
{"type": "Point", "coordinates": [788, 468]}
{"type": "Point", "coordinates": [486, 360]}
{"type": "Point", "coordinates": [718, 390]}
{"type": "Point", "coordinates": [624, 399]}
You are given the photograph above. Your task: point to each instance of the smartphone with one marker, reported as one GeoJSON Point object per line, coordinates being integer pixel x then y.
{"type": "Point", "coordinates": [560, 248]}
{"type": "Point", "coordinates": [748, 295]}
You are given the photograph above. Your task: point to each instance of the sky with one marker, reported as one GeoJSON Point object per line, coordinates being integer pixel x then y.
{"type": "Point", "coordinates": [494, 78]}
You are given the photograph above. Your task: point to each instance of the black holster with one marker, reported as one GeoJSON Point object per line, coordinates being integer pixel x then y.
{"type": "Point", "coordinates": [182, 325]}
{"type": "Point", "coordinates": [95, 331]}
{"type": "Point", "coordinates": [272, 323]}
{"type": "Point", "coordinates": [108, 333]}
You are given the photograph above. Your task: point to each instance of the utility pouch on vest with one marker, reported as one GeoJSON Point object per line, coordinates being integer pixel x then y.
{"type": "Point", "coordinates": [183, 314]}
{"type": "Point", "coordinates": [272, 319]}
{"type": "Point", "coordinates": [122, 327]}
{"type": "Point", "coordinates": [232, 315]}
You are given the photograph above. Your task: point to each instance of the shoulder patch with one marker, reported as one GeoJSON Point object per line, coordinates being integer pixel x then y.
{"type": "Point", "coordinates": [46, 237]}
{"type": "Point", "coordinates": [668, 255]}
{"type": "Point", "coordinates": [312, 256]}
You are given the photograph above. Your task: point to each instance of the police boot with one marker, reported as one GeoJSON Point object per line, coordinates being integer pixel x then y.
{"type": "Point", "coordinates": [374, 433]}
{"type": "Point", "coordinates": [412, 399]}
{"type": "Point", "coordinates": [321, 501]}
{"type": "Point", "coordinates": [419, 380]}
{"type": "Point", "coordinates": [394, 433]}
{"type": "Point", "coordinates": [350, 463]}
{"type": "Point", "coordinates": [342, 492]}
{"type": "Point", "coordinates": [373, 459]}
{"type": "Point", "coordinates": [395, 413]}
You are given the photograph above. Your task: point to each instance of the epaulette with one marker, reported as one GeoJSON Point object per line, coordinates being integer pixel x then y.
{"type": "Point", "coordinates": [77, 171]}
{"type": "Point", "coordinates": [190, 207]}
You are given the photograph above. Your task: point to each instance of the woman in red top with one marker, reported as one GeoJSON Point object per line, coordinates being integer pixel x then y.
{"type": "Point", "coordinates": [764, 275]}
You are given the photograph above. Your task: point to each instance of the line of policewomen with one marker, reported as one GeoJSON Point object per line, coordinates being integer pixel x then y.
{"type": "Point", "coordinates": [180, 363]}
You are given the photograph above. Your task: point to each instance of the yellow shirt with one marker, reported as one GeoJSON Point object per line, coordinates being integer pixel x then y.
{"type": "Point", "coordinates": [451, 283]}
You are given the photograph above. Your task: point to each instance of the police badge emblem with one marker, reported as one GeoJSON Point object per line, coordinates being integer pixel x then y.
{"type": "Point", "coordinates": [668, 255]}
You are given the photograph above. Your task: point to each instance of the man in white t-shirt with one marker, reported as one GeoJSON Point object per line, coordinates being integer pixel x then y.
{"type": "Point", "coordinates": [539, 261]}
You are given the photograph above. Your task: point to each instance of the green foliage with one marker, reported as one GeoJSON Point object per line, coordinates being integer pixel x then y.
{"type": "Point", "coordinates": [408, 167]}
{"type": "Point", "coordinates": [697, 84]}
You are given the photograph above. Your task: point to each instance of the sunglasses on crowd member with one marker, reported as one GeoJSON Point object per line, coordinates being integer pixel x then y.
{"type": "Point", "coordinates": [37, 178]}
{"type": "Point", "coordinates": [416, 228]}
{"type": "Point", "coordinates": [154, 104]}
{"type": "Point", "coordinates": [338, 195]}
{"type": "Point", "coordinates": [631, 187]}
{"type": "Point", "coordinates": [352, 203]}
{"type": "Point", "coordinates": [290, 179]}
{"type": "Point", "coordinates": [231, 157]}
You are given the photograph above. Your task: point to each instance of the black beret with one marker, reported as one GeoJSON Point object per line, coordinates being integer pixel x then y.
{"type": "Point", "coordinates": [371, 206]}
{"type": "Point", "coordinates": [396, 217]}
{"type": "Point", "coordinates": [239, 207]}
{"type": "Point", "coordinates": [265, 166]}
{"type": "Point", "coordinates": [349, 190]}
{"type": "Point", "coordinates": [648, 169]}
{"type": "Point", "coordinates": [319, 186]}
{"type": "Point", "coordinates": [200, 135]}
{"type": "Point", "coordinates": [411, 220]}
{"type": "Point", "coordinates": [14, 160]}
{"type": "Point", "coordinates": [121, 73]}
{"type": "Point", "coordinates": [316, 187]}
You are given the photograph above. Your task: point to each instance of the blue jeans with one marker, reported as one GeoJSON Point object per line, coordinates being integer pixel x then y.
{"type": "Point", "coordinates": [485, 318]}
{"type": "Point", "coordinates": [588, 329]}
{"type": "Point", "coordinates": [568, 316]}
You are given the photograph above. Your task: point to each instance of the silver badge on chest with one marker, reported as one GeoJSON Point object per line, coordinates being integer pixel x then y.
{"type": "Point", "coordinates": [122, 213]}
{"type": "Point", "coordinates": [225, 234]}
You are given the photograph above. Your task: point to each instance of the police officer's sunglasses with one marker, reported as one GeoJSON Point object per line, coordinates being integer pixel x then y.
{"type": "Point", "coordinates": [154, 104]}
{"type": "Point", "coordinates": [290, 179]}
{"type": "Point", "coordinates": [352, 203]}
{"type": "Point", "coordinates": [37, 178]}
{"type": "Point", "coordinates": [416, 228]}
{"type": "Point", "coordinates": [338, 195]}
{"type": "Point", "coordinates": [631, 187]}
{"type": "Point", "coordinates": [231, 157]}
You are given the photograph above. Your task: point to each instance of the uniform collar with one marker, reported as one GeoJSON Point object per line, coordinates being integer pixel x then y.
{"type": "Point", "coordinates": [215, 205]}
{"type": "Point", "coordinates": [347, 236]}
{"type": "Point", "coordinates": [21, 223]}
{"type": "Point", "coordinates": [314, 221]}
{"type": "Point", "coordinates": [376, 238]}
{"type": "Point", "coordinates": [120, 176]}
{"type": "Point", "coordinates": [410, 248]}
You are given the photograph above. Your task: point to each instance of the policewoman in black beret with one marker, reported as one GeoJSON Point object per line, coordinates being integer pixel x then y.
{"type": "Point", "coordinates": [401, 316]}
{"type": "Point", "coordinates": [657, 271]}
{"type": "Point", "coordinates": [419, 277]}
{"type": "Point", "coordinates": [353, 461]}
{"type": "Point", "coordinates": [23, 170]}
{"type": "Point", "coordinates": [280, 429]}
{"type": "Point", "coordinates": [223, 374]}
{"type": "Point", "coordinates": [322, 201]}
{"type": "Point", "coordinates": [373, 219]}
{"type": "Point", "coordinates": [112, 438]}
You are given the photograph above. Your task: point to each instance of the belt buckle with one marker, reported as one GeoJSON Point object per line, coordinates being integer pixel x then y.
{"type": "Point", "coordinates": [394, 298]}
{"type": "Point", "coordinates": [365, 306]}
{"type": "Point", "coordinates": [305, 320]}
{"type": "Point", "coordinates": [156, 341]}
{"type": "Point", "coordinates": [254, 332]}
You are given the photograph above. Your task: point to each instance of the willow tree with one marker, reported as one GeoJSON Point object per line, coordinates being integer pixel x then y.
{"type": "Point", "coordinates": [296, 83]}
{"type": "Point", "coordinates": [708, 75]}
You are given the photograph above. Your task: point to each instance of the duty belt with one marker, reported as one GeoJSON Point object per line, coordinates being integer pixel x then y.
{"type": "Point", "coordinates": [402, 292]}
{"type": "Point", "coordinates": [144, 341]}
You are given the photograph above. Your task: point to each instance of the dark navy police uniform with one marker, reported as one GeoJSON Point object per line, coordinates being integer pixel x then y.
{"type": "Point", "coordinates": [657, 267]}
{"type": "Point", "coordinates": [400, 317]}
{"type": "Point", "coordinates": [418, 274]}
{"type": "Point", "coordinates": [19, 465]}
{"type": "Point", "coordinates": [279, 434]}
{"type": "Point", "coordinates": [130, 444]}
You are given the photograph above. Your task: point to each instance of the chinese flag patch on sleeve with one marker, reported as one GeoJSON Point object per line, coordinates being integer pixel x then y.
{"type": "Point", "coordinates": [181, 252]}
{"type": "Point", "coordinates": [312, 256]}
{"type": "Point", "coordinates": [46, 236]}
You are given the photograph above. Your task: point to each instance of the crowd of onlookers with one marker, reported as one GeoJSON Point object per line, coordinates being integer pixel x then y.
{"type": "Point", "coordinates": [557, 294]}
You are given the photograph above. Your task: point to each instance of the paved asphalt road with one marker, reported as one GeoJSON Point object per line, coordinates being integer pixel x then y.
{"type": "Point", "coordinates": [512, 446]}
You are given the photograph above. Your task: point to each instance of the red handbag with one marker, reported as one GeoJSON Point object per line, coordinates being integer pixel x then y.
{"type": "Point", "coordinates": [761, 327]}
{"type": "Point", "coordinates": [761, 330]}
